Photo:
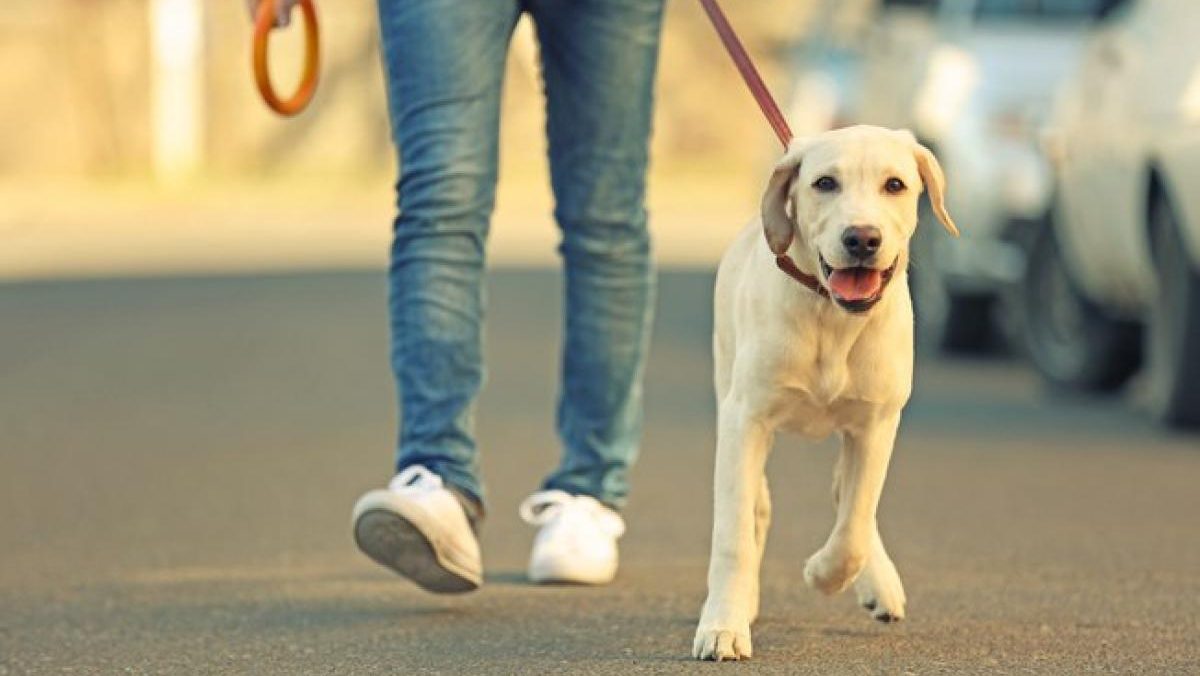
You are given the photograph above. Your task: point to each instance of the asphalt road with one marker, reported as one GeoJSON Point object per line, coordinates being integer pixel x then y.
{"type": "Point", "coordinates": [178, 459]}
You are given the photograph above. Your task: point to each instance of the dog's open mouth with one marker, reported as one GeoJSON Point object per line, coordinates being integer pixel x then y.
{"type": "Point", "coordinates": [856, 288]}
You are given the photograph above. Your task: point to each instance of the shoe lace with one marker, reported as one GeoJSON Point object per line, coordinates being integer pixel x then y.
{"type": "Point", "coordinates": [555, 506]}
{"type": "Point", "coordinates": [414, 478]}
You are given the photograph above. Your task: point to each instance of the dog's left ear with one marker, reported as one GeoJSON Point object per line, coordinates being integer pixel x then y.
{"type": "Point", "coordinates": [777, 224]}
{"type": "Point", "coordinates": [935, 185]}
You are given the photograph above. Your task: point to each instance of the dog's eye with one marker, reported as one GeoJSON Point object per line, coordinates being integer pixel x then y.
{"type": "Point", "coordinates": [825, 184]}
{"type": "Point", "coordinates": [894, 186]}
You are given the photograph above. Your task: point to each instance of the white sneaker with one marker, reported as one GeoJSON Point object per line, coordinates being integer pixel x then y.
{"type": "Point", "coordinates": [577, 540]}
{"type": "Point", "coordinates": [418, 528]}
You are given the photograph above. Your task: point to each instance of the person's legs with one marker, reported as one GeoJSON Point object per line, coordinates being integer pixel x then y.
{"type": "Point", "coordinates": [599, 59]}
{"type": "Point", "coordinates": [445, 64]}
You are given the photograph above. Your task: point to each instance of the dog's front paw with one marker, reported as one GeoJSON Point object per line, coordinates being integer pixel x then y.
{"type": "Point", "coordinates": [832, 569]}
{"type": "Point", "coordinates": [880, 591]}
{"type": "Point", "coordinates": [722, 644]}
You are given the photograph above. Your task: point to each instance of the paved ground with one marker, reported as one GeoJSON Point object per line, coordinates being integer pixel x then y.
{"type": "Point", "coordinates": [178, 459]}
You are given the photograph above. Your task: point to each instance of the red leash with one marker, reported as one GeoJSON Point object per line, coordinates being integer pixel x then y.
{"type": "Point", "coordinates": [749, 73]}
{"type": "Point", "coordinates": [774, 116]}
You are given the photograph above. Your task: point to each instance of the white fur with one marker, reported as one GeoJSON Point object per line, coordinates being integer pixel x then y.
{"type": "Point", "coordinates": [789, 359]}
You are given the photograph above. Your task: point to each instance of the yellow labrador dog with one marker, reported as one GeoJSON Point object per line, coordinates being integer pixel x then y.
{"type": "Point", "coordinates": [814, 335]}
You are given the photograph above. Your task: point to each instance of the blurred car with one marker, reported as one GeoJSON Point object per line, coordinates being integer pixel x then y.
{"type": "Point", "coordinates": [975, 80]}
{"type": "Point", "coordinates": [826, 67]}
{"type": "Point", "coordinates": [1122, 250]}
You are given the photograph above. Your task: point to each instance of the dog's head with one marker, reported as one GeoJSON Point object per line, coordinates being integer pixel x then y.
{"type": "Point", "coordinates": [847, 200]}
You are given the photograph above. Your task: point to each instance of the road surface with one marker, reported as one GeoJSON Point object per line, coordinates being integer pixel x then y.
{"type": "Point", "coordinates": [178, 459]}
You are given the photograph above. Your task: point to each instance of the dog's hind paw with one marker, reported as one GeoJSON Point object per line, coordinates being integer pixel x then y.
{"type": "Point", "coordinates": [720, 645]}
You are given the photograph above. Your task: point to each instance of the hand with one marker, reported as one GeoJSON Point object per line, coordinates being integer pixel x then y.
{"type": "Point", "coordinates": [283, 11]}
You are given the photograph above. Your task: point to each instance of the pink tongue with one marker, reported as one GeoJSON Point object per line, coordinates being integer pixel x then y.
{"type": "Point", "coordinates": [855, 283]}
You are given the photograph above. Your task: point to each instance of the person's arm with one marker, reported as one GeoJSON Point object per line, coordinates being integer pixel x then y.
{"type": "Point", "coordinates": [283, 10]}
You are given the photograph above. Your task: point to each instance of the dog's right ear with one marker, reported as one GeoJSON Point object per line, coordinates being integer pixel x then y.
{"type": "Point", "coordinates": [777, 224]}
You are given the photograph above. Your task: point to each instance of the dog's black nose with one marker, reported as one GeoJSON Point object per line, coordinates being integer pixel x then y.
{"type": "Point", "coordinates": [862, 241]}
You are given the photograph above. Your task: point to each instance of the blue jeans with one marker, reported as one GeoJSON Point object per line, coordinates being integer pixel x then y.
{"type": "Point", "coordinates": [445, 64]}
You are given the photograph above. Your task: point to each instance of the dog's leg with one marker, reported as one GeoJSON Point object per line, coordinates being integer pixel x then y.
{"type": "Point", "coordinates": [861, 469]}
{"type": "Point", "coordinates": [742, 446]}
{"type": "Point", "coordinates": [762, 516]}
{"type": "Point", "coordinates": [762, 524]}
{"type": "Point", "coordinates": [878, 587]}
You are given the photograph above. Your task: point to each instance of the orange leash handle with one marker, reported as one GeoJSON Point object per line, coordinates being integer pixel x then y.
{"type": "Point", "coordinates": [263, 25]}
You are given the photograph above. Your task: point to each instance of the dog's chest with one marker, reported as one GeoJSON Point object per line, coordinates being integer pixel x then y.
{"type": "Point", "coordinates": [816, 392]}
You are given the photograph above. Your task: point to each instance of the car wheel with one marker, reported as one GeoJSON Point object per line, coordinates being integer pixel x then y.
{"type": "Point", "coordinates": [1022, 233]}
{"type": "Point", "coordinates": [1174, 322]}
{"type": "Point", "coordinates": [1070, 339]}
{"type": "Point", "coordinates": [946, 321]}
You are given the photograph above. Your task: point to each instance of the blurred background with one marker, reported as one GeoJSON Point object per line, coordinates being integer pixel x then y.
{"type": "Point", "coordinates": [193, 346]}
{"type": "Point", "coordinates": [152, 124]}
{"type": "Point", "coordinates": [1068, 129]}
{"type": "Point", "coordinates": [1070, 135]}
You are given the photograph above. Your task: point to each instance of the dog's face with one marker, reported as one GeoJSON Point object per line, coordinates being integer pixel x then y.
{"type": "Point", "coordinates": [848, 199]}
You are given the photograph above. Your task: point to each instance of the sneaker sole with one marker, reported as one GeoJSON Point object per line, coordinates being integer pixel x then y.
{"type": "Point", "coordinates": [551, 576]}
{"type": "Point", "coordinates": [393, 541]}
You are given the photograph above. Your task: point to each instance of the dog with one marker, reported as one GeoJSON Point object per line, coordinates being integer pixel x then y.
{"type": "Point", "coordinates": [813, 334]}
